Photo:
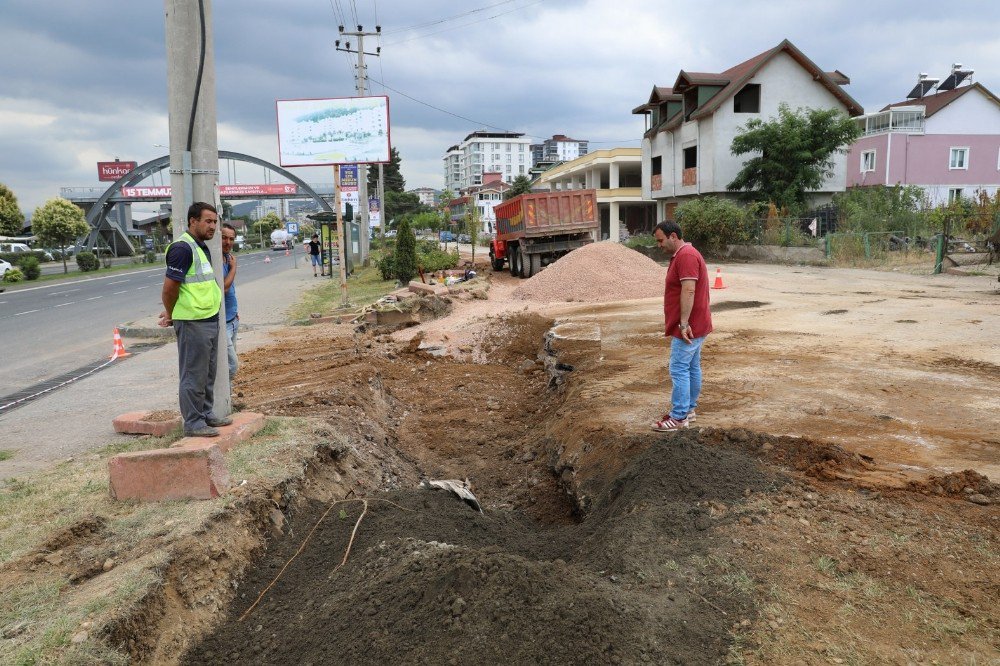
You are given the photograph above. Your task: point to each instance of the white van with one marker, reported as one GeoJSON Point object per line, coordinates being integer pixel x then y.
{"type": "Point", "coordinates": [14, 247]}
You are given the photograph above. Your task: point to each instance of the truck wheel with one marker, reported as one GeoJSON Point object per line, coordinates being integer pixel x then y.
{"type": "Point", "coordinates": [536, 263]}
{"type": "Point", "coordinates": [523, 263]}
{"type": "Point", "coordinates": [497, 263]}
{"type": "Point", "coordinates": [513, 257]}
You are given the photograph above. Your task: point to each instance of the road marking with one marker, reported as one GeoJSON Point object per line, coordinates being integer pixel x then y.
{"type": "Point", "coordinates": [65, 304]}
{"type": "Point", "coordinates": [117, 282]}
{"type": "Point", "coordinates": [120, 292]}
{"type": "Point", "coordinates": [60, 293]}
{"type": "Point", "coordinates": [93, 299]}
{"type": "Point", "coordinates": [148, 285]}
{"type": "Point", "coordinates": [26, 312]}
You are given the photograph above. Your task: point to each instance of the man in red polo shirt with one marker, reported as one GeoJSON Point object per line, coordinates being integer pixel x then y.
{"type": "Point", "coordinates": [688, 322]}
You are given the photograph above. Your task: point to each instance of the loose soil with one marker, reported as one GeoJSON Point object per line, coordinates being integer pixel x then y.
{"type": "Point", "coordinates": [836, 504]}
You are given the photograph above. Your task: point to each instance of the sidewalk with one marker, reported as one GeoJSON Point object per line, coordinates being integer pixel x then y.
{"type": "Point", "coordinates": [77, 419]}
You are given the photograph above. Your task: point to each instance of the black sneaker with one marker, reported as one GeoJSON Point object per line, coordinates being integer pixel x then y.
{"type": "Point", "coordinates": [204, 431]}
{"type": "Point", "coordinates": [218, 423]}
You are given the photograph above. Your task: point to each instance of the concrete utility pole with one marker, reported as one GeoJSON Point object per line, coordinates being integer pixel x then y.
{"type": "Point", "coordinates": [194, 145]}
{"type": "Point", "coordinates": [362, 79]}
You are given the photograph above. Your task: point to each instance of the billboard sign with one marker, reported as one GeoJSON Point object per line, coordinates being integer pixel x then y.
{"type": "Point", "coordinates": [231, 191]}
{"type": "Point", "coordinates": [112, 171]}
{"type": "Point", "coordinates": [339, 130]}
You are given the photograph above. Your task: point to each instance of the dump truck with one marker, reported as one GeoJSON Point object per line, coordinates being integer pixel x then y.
{"type": "Point", "coordinates": [535, 229]}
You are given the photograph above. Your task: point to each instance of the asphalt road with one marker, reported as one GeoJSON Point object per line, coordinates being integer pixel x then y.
{"type": "Point", "coordinates": [51, 329]}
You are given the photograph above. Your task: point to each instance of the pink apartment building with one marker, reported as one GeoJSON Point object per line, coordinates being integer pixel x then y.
{"type": "Point", "coordinates": [947, 142]}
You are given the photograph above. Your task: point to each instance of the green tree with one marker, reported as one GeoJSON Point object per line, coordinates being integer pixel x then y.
{"type": "Point", "coordinates": [398, 204]}
{"type": "Point", "coordinates": [711, 223]}
{"type": "Point", "coordinates": [405, 258]}
{"type": "Point", "coordinates": [472, 225]}
{"type": "Point", "coordinates": [59, 223]}
{"type": "Point", "coordinates": [227, 210]}
{"type": "Point", "coordinates": [521, 185]}
{"type": "Point", "coordinates": [392, 177]}
{"type": "Point", "coordinates": [880, 208]}
{"type": "Point", "coordinates": [11, 217]}
{"type": "Point", "coordinates": [265, 225]}
{"type": "Point", "coordinates": [792, 154]}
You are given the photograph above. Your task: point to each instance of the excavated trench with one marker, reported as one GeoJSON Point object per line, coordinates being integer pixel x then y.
{"type": "Point", "coordinates": [538, 577]}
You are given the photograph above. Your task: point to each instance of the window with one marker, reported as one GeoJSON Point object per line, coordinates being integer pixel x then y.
{"type": "Point", "coordinates": [691, 157]}
{"type": "Point", "coordinates": [657, 165]}
{"type": "Point", "coordinates": [959, 158]}
{"type": "Point", "coordinates": [747, 100]}
{"type": "Point", "coordinates": [867, 161]}
{"type": "Point", "coordinates": [954, 194]}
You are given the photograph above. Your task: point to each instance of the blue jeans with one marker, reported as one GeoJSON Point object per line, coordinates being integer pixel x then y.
{"type": "Point", "coordinates": [234, 362]}
{"type": "Point", "coordinates": [685, 374]}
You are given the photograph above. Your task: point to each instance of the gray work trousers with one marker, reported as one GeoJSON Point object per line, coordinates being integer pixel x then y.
{"type": "Point", "coordinates": [197, 350]}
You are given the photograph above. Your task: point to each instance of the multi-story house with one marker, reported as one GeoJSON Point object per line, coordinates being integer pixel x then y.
{"type": "Point", "coordinates": [946, 142]}
{"type": "Point", "coordinates": [485, 197]}
{"type": "Point", "coordinates": [560, 148]}
{"type": "Point", "coordinates": [427, 195]}
{"type": "Point", "coordinates": [691, 125]}
{"type": "Point", "coordinates": [616, 174]}
{"type": "Point", "coordinates": [506, 153]}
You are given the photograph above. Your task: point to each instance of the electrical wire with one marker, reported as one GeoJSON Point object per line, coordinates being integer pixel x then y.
{"type": "Point", "coordinates": [197, 84]}
{"type": "Point", "coordinates": [465, 25]}
{"type": "Point", "coordinates": [450, 18]}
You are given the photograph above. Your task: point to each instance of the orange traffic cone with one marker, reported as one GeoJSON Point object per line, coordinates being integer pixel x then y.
{"type": "Point", "coordinates": [718, 280]}
{"type": "Point", "coordinates": [119, 350]}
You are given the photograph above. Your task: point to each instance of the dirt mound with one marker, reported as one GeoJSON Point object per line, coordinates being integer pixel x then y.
{"type": "Point", "coordinates": [430, 580]}
{"type": "Point", "coordinates": [958, 483]}
{"type": "Point", "coordinates": [604, 271]}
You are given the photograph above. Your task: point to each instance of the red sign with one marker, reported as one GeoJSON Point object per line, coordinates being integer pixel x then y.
{"type": "Point", "coordinates": [257, 190]}
{"type": "Point", "coordinates": [163, 191]}
{"type": "Point", "coordinates": [112, 171]}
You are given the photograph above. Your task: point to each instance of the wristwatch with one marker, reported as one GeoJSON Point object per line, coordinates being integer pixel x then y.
{"type": "Point", "coordinates": [683, 325]}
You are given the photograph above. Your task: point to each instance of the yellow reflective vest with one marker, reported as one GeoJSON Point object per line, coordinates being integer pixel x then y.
{"type": "Point", "coordinates": [200, 296]}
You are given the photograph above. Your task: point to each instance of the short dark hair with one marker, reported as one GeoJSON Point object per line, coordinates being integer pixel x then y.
{"type": "Point", "coordinates": [226, 225]}
{"type": "Point", "coordinates": [315, 236]}
{"type": "Point", "coordinates": [669, 227]}
{"type": "Point", "coordinates": [197, 208]}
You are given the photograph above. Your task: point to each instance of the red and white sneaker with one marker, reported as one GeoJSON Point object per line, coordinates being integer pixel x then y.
{"type": "Point", "coordinates": [669, 424]}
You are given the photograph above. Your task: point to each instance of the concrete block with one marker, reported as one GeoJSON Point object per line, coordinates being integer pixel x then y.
{"type": "Point", "coordinates": [433, 289]}
{"type": "Point", "coordinates": [245, 425]}
{"type": "Point", "coordinates": [196, 472]}
{"type": "Point", "coordinates": [139, 423]}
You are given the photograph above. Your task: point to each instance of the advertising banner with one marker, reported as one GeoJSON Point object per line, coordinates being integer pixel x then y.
{"type": "Point", "coordinates": [340, 130]}
{"type": "Point", "coordinates": [112, 171]}
{"type": "Point", "coordinates": [374, 212]}
{"type": "Point", "coordinates": [349, 187]}
{"type": "Point", "coordinates": [163, 191]}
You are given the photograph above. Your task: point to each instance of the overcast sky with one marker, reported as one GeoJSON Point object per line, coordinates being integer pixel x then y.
{"type": "Point", "coordinates": [86, 81]}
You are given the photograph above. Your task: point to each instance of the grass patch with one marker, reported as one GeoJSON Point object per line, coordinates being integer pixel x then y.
{"type": "Point", "coordinates": [6, 455]}
{"type": "Point", "coordinates": [363, 288]}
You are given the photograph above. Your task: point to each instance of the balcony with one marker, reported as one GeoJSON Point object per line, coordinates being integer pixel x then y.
{"type": "Point", "coordinates": [656, 182]}
{"type": "Point", "coordinates": [689, 176]}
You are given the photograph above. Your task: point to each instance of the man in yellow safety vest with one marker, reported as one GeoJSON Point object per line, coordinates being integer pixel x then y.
{"type": "Point", "coordinates": [191, 300]}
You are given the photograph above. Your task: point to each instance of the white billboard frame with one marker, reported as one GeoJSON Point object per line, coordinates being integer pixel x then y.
{"type": "Point", "coordinates": [303, 124]}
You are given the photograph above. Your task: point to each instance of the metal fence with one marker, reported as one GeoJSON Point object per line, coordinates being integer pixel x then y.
{"type": "Point", "coordinates": [787, 231]}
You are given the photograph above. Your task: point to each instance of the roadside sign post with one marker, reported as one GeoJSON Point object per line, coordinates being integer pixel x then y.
{"type": "Point", "coordinates": [293, 230]}
{"type": "Point", "coordinates": [341, 236]}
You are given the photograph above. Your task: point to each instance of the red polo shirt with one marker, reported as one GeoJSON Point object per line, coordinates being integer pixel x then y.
{"type": "Point", "coordinates": [687, 264]}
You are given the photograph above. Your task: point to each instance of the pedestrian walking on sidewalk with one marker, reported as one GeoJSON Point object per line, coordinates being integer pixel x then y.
{"type": "Point", "coordinates": [191, 300]}
{"type": "Point", "coordinates": [229, 290]}
{"type": "Point", "coordinates": [314, 254]}
{"type": "Point", "coordinates": [687, 321]}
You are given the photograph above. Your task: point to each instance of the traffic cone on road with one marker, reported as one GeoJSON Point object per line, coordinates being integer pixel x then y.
{"type": "Point", "coordinates": [718, 280]}
{"type": "Point", "coordinates": [119, 350]}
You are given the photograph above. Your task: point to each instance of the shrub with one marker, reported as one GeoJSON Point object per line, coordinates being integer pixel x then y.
{"type": "Point", "coordinates": [437, 260]}
{"type": "Point", "coordinates": [30, 267]}
{"type": "Point", "coordinates": [711, 223]}
{"type": "Point", "coordinates": [87, 261]}
{"type": "Point", "coordinates": [13, 275]}
{"type": "Point", "coordinates": [386, 265]}
{"type": "Point", "coordinates": [642, 240]}
{"type": "Point", "coordinates": [405, 257]}
{"type": "Point", "coordinates": [149, 257]}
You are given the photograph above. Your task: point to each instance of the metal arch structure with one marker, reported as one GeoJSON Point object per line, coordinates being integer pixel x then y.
{"type": "Point", "coordinates": [115, 237]}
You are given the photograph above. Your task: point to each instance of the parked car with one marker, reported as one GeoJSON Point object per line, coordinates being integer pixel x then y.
{"type": "Point", "coordinates": [4, 267]}
{"type": "Point", "coordinates": [23, 248]}
{"type": "Point", "coordinates": [446, 237]}
{"type": "Point", "coordinates": [464, 238]}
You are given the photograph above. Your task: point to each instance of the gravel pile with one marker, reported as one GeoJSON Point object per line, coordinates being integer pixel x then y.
{"type": "Point", "coordinates": [605, 271]}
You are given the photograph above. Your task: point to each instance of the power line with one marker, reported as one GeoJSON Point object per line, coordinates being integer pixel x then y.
{"type": "Point", "coordinates": [417, 26]}
{"type": "Point", "coordinates": [465, 25]}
